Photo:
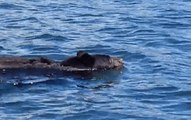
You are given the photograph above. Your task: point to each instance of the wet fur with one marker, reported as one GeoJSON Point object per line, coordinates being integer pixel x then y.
{"type": "Point", "coordinates": [82, 60]}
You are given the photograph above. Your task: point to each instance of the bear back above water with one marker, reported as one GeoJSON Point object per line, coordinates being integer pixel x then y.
{"type": "Point", "coordinates": [83, 61]}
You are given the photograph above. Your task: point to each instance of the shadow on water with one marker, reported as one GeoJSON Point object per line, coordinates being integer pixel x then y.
{"type": "Point", "coordinates": [20, 77]}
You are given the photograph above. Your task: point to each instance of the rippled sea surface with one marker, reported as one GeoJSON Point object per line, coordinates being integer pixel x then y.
{"type": "Point", "coordinates": [153, 37]}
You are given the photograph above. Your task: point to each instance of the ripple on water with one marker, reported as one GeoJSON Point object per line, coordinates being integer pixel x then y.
{"type": "Point", "coordinates": [50, 37]}
{"type": "Point", "coordinates": [10, 6]}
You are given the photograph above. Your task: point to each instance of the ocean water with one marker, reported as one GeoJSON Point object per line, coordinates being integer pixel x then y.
{"type": "Point", "coordinates": [152, 36]}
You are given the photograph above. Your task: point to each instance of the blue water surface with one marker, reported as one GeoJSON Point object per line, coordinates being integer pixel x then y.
{"type": "Point", "coordinates": [152, 36]}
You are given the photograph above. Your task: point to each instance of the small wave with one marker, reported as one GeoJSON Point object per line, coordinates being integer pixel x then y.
{"type": "Point", "coordinates": [2, 48]}
{"type": "Point", "coordinates": [9, 6]}
{"type": "Point", "coordinates": [49, 37]}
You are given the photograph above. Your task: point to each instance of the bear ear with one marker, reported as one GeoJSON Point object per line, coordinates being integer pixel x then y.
{"type": "Point", "coordinates": [81, 53]}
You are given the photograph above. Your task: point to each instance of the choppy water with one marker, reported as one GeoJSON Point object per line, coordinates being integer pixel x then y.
{"type": "Point", "coordinates": [152, 36]}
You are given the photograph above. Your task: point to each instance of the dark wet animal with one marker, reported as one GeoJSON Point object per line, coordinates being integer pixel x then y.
{"type": "Point", "coordinates": [83, 61]}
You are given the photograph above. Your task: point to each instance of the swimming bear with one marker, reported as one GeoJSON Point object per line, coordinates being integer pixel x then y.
{"type": "Point", "coordinates": [82, 62]}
